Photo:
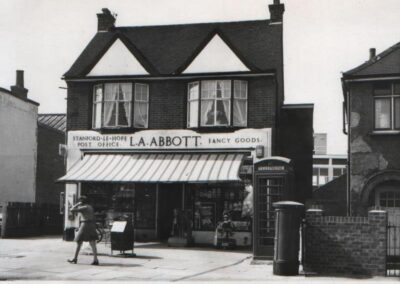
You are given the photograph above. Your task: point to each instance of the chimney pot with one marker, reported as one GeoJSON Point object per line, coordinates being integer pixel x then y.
{"type": "Point", "coordinates": [20, 79]}
{"type": "Point", "coordinates": [105, 20]}
{"type": "Point", "coordinates": [276, 11]}
{"type": "Point", "coordinates": [372, 53]}
{"type": "Point", "coordinates": [19, 89]}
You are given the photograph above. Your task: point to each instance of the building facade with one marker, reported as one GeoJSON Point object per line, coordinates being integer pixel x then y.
{"type": "Point", "coordinates": [50, 162]}
{"type": "Point", "coordinates": [153, 130]}
{"type": "Point", "coordinates": [372, 109]}
{"type": "Point", "coordinates": [18, 143]}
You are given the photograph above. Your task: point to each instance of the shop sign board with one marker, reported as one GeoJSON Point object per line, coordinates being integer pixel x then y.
{"type": "Point", "coordinates": [171, 139]}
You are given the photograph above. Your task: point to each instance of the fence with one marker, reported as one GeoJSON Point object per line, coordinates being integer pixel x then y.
{"type": "Point", "coordinates": [29, 219]}
{"type": "Point", "coordinates": [345, 245]}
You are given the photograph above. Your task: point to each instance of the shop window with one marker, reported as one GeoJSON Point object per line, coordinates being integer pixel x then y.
{"type": "Point", "coordinates": [387, 106]}
{"type": "Point", "coordinates": [211, 202]}
{"type": "Point", "coordinates": [215, 102]}
{"type": "Point", "coordinates": [112, 105]}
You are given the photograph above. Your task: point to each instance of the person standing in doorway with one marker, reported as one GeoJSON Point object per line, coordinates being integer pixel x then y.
{"type": "Point", "coordinates": [87, 229]}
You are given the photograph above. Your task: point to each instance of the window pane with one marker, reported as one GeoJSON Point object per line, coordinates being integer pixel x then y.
{"type": "Point", "coordinates": [382, 88]}
{"type": "Point", "coordinates": [397, 113]}
{"type": "Point", "coordinates": [110, 114]}
{"type": "Point", "coordinates": [239, 112]}
{"type": "Point", "coordinates": [382, 113]}
{"type": "Point", "coordinates": [240, 89]}
{"type": "Point", "coordinates": [193, 105]}
{"type": "Point", "coordinates": [97, 106]}
{"type": "Point", "coordinates": [208, 89]}
{"type": "Point", "coordinates": [397, 88]}
{"type": "Point", "coordinates": [223, 112]}
{"type": "Point", "coordinates": [193, 113]}
{"type": "Point", "coordinates": [140, 115]}
{"type": "Point", "coordinates": [207, 112]}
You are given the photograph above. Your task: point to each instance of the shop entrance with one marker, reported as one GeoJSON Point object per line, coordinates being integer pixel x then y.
{"type": "Point", "coordinates": [169, 198]}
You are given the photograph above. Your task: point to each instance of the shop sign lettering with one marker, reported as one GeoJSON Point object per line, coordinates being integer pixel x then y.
{"type": "Point", "coordinates": [170, 139]}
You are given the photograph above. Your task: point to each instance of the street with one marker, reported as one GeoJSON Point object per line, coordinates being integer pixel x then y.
{"type": "Point", "coordinates": [44, 258]}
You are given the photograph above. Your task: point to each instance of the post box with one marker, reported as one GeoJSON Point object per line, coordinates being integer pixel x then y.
{"type": "Point", "coordinates": [287, 237]}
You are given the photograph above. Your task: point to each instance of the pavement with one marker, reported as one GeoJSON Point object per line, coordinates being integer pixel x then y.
{"type": "Point", "coordinates": [44, 258]}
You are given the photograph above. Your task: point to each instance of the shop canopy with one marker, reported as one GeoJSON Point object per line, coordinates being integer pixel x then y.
{"type": "Point", "coordinates": [161, 167]}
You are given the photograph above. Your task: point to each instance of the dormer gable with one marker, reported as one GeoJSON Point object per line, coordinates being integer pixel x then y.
{"type": "Point", "coordinates": [216, 56]}
{"type": "Point", "coordinates": [118, 60]}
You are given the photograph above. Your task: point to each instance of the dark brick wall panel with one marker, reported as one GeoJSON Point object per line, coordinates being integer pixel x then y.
{"type": "Point", "coordinates": [50, 166]}
{"type": "Point", "coordinates": [345, 245]}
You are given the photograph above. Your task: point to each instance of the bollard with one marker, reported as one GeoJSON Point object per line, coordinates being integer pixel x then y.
{"type": "Point", "coordinates": [286, 248]}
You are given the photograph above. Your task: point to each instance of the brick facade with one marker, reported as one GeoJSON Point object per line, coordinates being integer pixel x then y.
{"type": "Point", "coordinates": [345, 245]}
{"type": "Point", "coordinates": [167, 108]}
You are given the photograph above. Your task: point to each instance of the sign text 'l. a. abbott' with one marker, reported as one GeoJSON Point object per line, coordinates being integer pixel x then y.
{"type": "Point", "coordinates": [169, 139]}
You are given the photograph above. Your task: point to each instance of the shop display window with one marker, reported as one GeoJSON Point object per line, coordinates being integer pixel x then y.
{"type": "Point", "coordinates": [212, 201]}
{"type": "Point", "coordinates": [112, 201]}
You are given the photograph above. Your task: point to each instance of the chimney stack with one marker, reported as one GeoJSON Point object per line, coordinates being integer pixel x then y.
{"type": "Point", "coordinates": [19, 89]}
{"type": "Point", "coordinates": [105, 20]}
{"type": "Point", "coordinates": [276, 11]}
{"type": "Point", "coordinates": [372, 53]}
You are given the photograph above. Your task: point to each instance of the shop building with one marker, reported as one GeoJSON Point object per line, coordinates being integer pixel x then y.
{"type": "Point", "coordinates": [372, 108]}
{"type": "Point", "coordinates": [174, 117]}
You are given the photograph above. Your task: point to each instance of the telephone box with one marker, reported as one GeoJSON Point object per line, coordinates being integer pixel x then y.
{"type": "Point", "coordinates": [273, 182]}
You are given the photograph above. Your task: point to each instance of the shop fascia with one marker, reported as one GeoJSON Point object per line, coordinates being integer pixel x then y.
{"type": "Point", "coordinates": [174, 140]}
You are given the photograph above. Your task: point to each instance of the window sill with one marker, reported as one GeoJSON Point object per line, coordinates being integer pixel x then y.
{"type": "Point", "coordinates": [216, 128]}
{"type": "Point", "coordinates": [118, 130]}
{"type": "Point", "coordinates": [385, 132]}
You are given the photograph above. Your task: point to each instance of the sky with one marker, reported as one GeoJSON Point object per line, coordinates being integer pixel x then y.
{"type": "Point", "coordinates": [322, 38]}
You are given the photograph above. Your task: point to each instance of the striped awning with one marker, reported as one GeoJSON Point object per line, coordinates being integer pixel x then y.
{"type": "Point", "coordinates": [161, 168]}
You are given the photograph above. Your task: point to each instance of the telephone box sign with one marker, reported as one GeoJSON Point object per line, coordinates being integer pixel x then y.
{"type": "Point", "coordinates": [171, 139]}
{"type": "Point", "coordinates": [273, 164]}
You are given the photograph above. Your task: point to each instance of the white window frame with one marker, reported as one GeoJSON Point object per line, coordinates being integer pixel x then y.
{"type": "Point", "coordinates": [392, 98]}
{"type": "Point", "coordinates": [147, 100]}
{"type": "Point", "coordinates": [233, 96]}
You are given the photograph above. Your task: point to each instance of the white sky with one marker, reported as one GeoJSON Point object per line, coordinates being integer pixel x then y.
{"type": "Point", "coordinates": [322, 38]}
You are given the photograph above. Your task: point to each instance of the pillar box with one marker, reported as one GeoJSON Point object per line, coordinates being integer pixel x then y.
{"type": "Point", "coordinates": [287, 230]}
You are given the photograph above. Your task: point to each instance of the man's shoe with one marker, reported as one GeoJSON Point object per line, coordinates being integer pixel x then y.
{"type": "Point", "coordinates": [96, 262]}
{"type": "Point", "coordinates": [72, 261]}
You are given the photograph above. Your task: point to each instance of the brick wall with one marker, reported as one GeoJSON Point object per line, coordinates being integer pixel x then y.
{"type": "Point", "coordinates": [167, 109]}
{"type": "Point", "coordinates": [345, 245]}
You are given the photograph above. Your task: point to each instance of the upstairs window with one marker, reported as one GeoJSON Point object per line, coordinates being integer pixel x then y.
{"type": "Point", "coordinates": [112, 106]}
{"type": "Point", "coordinates": [387, 106]}
{"type": "Point", "coordinates": [213, 103]}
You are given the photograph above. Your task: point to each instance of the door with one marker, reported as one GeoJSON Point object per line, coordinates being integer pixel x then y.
{"type": "Point", "coordinates": [268, 189]}
{"type": "Point", "coordinates": [169, 198]}
{"type": "Point", "coordinates": [387, 197]}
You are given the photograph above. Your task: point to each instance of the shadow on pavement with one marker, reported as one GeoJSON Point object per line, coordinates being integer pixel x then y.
{"type": "Point", "coordinates": [197, 247]}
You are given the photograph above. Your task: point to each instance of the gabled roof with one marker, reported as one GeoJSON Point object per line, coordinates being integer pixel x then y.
{"type": "Point", "coordinates": [167, 50]}
{"type": "Point", "coordinates": [385, 63]}
{"type": "Point", "coordinates": [5, 91]}
{"type": "Point", "coordinates": [55, 121]}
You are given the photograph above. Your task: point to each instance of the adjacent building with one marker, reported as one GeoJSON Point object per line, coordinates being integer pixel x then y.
{"type": "Point", "coordinates": [372, 107]}
{"type": "Point", "coordinates": [166, 118]}
{"type": "Point", "coordinates": [18, 143]}
{"type": "Point", "coordinates": [326, 167]}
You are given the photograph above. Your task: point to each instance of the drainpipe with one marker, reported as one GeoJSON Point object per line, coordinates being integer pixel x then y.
{"type": "Point", "coordinates": [347, 112]}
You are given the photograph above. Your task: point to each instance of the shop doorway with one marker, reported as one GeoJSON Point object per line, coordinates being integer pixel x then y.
{"type": "Point", "coordinates": [169, 198]}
